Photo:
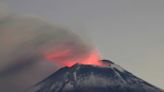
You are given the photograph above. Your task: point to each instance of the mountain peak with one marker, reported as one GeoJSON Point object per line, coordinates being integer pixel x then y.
{"type": "Point", "coordinates": [104, 63]}
{"type": "Point", "coordinates": [92, 78]}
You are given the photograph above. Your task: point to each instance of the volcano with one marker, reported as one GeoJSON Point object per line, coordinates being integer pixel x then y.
{"type": "Point", "coordinates": [92, 78]}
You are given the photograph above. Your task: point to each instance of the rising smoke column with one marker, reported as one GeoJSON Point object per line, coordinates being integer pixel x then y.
{"type": "Point", "coordinates": [25, 37]}
{"type": "Point", "coordinates": [25, 41]}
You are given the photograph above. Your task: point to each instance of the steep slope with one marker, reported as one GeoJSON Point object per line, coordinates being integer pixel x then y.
{"type": "Point", "coordinates": [90, 78]}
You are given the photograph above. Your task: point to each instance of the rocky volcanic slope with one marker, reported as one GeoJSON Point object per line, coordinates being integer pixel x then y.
{"type": "Point", "coordinates": [90, 78]}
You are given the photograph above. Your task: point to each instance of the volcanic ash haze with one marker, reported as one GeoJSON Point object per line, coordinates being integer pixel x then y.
{"type": "Point", "coordinates": [29, 36]}
{"type": "Point", "coordinates": [27, 40]}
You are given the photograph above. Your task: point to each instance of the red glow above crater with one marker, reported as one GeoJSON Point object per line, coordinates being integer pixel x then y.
{"type": "Point", "coordinates": [92, 58]}
{"type": "Point", "coordinates": [65, 58]}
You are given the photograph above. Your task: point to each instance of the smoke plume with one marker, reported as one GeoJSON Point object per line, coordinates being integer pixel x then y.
{"type": "Point", "coordinates": [23, 37]}
{"type": "Point", "coordinates": [27, 43]}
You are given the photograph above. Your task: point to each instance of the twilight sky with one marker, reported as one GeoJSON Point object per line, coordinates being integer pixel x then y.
{"type": "Point", "coordinates": [129, 32]}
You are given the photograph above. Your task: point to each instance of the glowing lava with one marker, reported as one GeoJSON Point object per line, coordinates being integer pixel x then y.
{"type": "Point", "coordinates": [64, 58]}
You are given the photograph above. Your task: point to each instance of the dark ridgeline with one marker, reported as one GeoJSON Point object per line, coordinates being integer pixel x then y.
{"type": "Point", "coordinates": [90, 78]}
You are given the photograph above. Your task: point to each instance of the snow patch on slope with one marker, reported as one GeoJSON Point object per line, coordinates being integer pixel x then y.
{"type": "Point", "coordinates": [118, 67]}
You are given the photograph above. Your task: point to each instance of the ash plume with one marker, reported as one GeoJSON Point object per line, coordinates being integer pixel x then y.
{"type": "Point", "coordinates": [25, 41]}
{"type": "Point", "coordinates": [25, 37]}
